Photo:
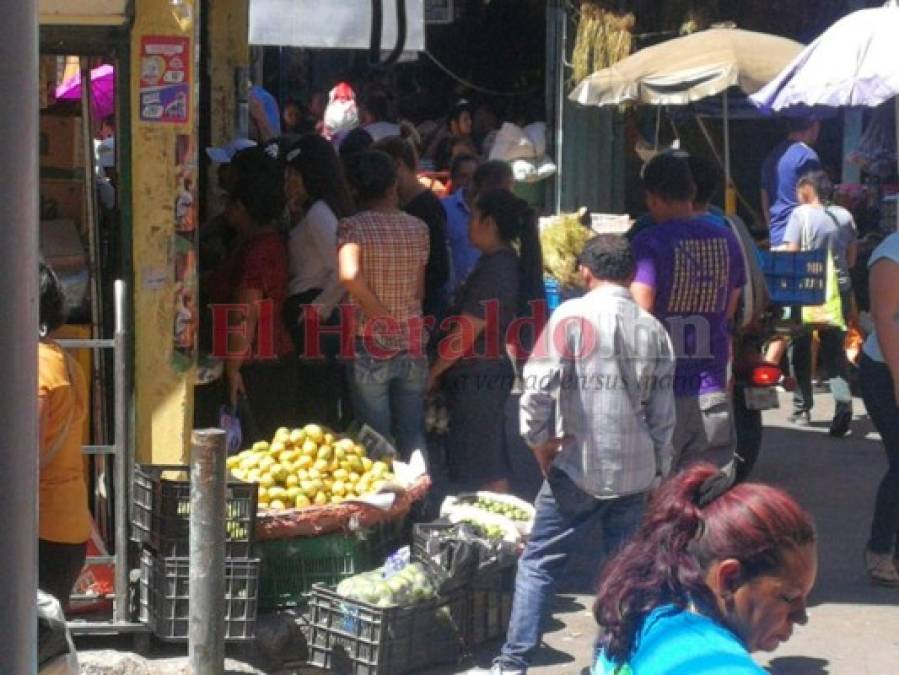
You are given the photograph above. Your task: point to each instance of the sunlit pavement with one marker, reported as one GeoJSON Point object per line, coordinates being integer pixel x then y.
{"type": "Point", "coordinates": [853, 626]}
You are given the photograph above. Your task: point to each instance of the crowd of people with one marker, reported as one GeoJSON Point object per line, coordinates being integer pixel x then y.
{"type": "Point", "coordinates": [431, 289]}
{"type": "Point", "coordinates": [340, 287]}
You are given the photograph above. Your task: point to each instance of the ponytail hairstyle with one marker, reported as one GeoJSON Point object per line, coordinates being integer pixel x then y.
{"type": "Point", "coordinates": [687, 528]}
{"type": "Point", "coordinates": [517, 224]}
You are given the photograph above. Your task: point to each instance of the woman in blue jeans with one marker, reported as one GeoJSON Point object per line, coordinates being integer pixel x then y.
{"type": "Point", "coordinates": [879, 380]}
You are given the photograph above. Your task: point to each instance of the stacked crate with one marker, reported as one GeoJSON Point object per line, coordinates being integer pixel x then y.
{"type": "Point", "coordinates": [161, 523]}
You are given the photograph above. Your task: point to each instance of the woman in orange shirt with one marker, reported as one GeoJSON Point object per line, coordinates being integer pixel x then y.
{"type": "Point", "coordinates": [64, 517]}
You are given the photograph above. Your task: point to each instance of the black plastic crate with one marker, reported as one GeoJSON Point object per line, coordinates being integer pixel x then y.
{"type": "Point", "coordinates": [165, 597]}
{"type": "Point", "coordinates": [490, 604]}
{"type": "Point", "coordinates": [795, 278]}
{"type": "Point", "coordinates": [357, 638]}
{"type": "Point", "coordinates": [160, 515]}
{"type": "Point", "coordinates": [291, 567]}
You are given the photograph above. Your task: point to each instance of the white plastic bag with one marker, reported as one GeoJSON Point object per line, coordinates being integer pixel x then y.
{"type": "Point", "coordinates": [341, 113]}
{"type": "Point", "coordinates": [53, 623]}
{"type": "Point", "coordinates": [536, 134]}
{"type": "Point", "coordinates": [512, 143]}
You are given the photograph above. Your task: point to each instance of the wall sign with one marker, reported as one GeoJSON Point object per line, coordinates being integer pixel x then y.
{"type": "Point", "coordinates": [165, 79]}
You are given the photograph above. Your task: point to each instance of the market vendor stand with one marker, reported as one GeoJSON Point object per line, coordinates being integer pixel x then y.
{"type": "Point", "coordinates": [692, 68]}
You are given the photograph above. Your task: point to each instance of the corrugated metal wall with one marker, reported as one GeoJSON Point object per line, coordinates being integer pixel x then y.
{"type": "Point", "coordinates": [591, 166]}
{"type": "Point", "coordinates": [592, 159]}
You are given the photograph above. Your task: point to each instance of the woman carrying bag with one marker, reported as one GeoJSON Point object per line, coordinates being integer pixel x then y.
{"type": "Point", "coordinates": [810, 228]}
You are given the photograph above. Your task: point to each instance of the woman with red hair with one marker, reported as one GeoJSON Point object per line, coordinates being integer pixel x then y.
{"type": "Point", "coordinates": [714, 573]}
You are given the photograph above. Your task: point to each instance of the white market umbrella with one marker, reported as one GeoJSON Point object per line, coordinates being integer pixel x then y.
{"type": "Point", "coordinates": [690, 68]}
{"type": "Point", "coordinates": [853, 63]}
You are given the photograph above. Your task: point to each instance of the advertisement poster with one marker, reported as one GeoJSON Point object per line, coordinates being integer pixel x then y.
{"type": "Point", "coordinates": [165, 79]}
{"type": "Point", "coordinates": [184, 213]}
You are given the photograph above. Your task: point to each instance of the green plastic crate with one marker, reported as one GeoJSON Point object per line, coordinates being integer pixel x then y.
{"type": "Point", "coordinates": [290, 567]}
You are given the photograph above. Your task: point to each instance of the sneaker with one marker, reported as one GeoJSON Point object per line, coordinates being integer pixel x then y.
{"type": "Point", "coordinates": [839, 427]}
{"type": "Point", "coordinates": [801, 419]}
{"type": "Point", "coordinates": [881, 569]}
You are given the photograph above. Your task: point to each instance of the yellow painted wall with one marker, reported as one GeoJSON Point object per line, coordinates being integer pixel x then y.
{"type": "Point", "coordinates": [163, 396]}
{"type": "Point", "coordinates": [228, 47]}
{"type": "Point", "coordinates": [228, 50]}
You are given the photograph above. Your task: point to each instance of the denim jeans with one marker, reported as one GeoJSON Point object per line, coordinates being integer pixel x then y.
{"type": "Point", "coordinates": [564, 514]}
{"type": "Point", "coordinates": [388, 396]}
{"type": "Point", "coordinates": [833, 358]}
{"type": "Point", "coordinates": [877, 391]}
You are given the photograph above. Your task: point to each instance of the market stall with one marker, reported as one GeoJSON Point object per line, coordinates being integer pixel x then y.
{"type": "Point", "coordinates": [317, 522]}
{"type": "Point", "coordinates": [691, 68]}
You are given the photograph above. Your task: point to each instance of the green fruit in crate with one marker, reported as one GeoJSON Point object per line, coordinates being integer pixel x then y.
{"type": "Point", "coordinates": [260, 446]}
{"type": "Point", "coordinates": [302, 501]}
{"type": "Point", "coordinates": [277, 505]}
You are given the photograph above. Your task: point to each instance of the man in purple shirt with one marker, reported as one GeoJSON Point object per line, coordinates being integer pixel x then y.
{"type": "Point", "coordinates": [785, 165]}
{"type": "Point", "coordinates": [689, 274]}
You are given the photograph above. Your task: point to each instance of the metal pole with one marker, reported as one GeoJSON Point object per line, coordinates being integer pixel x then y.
{"type": "Point", "coordinates": [558, 22]}
{"type": "Point", "coordinates": [207, 552]}
{"type": "Point", "coordinates": [896, 104]}
{"type": "Point", "coordinates": [18, 335]}
{"type": "Point", "coordinates": [122, 457]}
{"type": "Point", "coordinates": [729, 201]}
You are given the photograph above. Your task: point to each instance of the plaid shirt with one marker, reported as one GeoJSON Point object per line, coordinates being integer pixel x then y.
{"type": "Point", "coordinates": [395, 250]}
{"type": "Point", "coordinates": [608, 372]}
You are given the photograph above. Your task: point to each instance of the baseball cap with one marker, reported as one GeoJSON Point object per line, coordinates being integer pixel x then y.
{"type": "Point", "coordinates": [225, 153]}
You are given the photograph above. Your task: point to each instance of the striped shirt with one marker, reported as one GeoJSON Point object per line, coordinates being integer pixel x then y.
{"type": "Point", "coordinates": [607, 368]}
{"type": "Point", "coordinates": [394, 248]}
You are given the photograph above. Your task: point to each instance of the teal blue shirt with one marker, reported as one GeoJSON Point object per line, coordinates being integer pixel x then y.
{"type": "Point", "coordinates": [673, 641]}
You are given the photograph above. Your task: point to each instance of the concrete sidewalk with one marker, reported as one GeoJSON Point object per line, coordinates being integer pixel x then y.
{"type": "Point", "coordinates": [853, 626]}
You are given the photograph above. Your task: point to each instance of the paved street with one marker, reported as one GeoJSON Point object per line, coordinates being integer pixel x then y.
{"type": "Point", "coordinates": [853, 627]}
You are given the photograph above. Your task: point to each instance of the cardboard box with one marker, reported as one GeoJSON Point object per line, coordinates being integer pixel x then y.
{"type": "Point", "coordinates": [63, 199]}
{"type": "Point", "coordinates": [61, 142]}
